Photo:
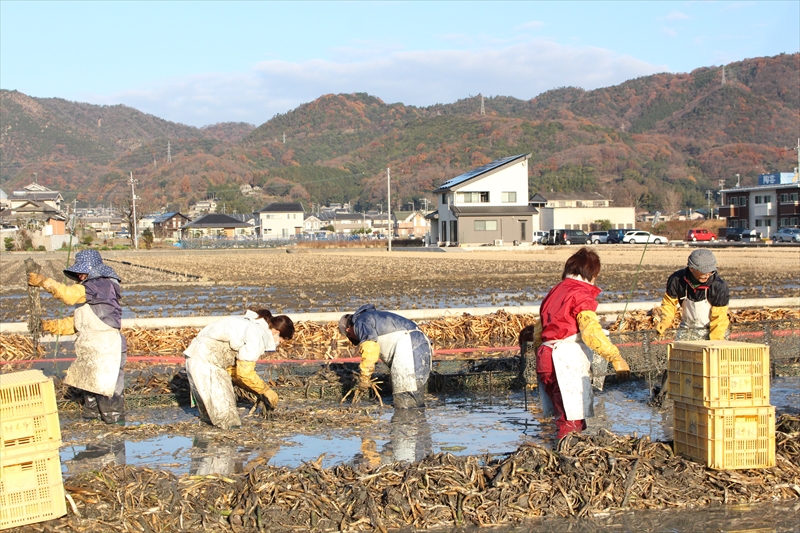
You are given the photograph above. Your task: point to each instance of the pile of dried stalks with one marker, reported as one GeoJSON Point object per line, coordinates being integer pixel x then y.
{"type": "Point", "coordinates": [584, 476]}
{"type": "Point", "coordinates": [323, 341]}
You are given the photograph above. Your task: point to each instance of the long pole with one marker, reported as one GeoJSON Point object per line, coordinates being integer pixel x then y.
{"type": "Point", "coordinates": [389, 224]}
{"type": "Point", "coordinates": [133, 201]}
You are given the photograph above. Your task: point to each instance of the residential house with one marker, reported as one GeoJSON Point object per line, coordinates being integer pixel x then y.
{"type": "Point", "coordinates": [168, 225]}
{"type": "Point", "coordinates": [348, 223]}
{"type": "Point", "coordinates": [216, 225]}
{"type": "Point", "coordinates": [487, 205]}
{"type": "Point", "coordinates": [35, 194]}
{"type": "Point", "coordinates": [312, 224]}
{"type": "Point", "coordinates": [281, 220]}
{"type": "Point", "coordinates": [412, 224]}
{"type": "Point", "coordinates": [580, 210]}
{"type": "Point", "coordinates": [772, 204]}
{"type": "Point", "coordinates": [4, 201]}
{"type": "Point", "coordinates": [202, 207]}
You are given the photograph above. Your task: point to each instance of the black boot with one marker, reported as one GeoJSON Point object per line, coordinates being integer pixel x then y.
{"type": "Point", "coordinates": [112, 409]}
{"type": "Point", "coordinates": [91, 411]}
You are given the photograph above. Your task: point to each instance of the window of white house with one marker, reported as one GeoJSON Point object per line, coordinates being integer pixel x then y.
{"type": "Point", "coordinates": [473, 197]}
{"type": "Point", "coordinates": [758, 199]}
{"type": "Point", "coordinates": [599, 203]}
{"type": "Point", "coordinates": [768, 222]}
{"type": "Point", "coordinates": [767, 198]}
{"type": "Point", "coordinates": [509, 197]}
{"type": "Point", "coordinates": [485, 225]}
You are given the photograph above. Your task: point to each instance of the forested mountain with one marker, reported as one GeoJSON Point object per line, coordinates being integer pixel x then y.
{"type": "Point", "coordinates": [645, 142]}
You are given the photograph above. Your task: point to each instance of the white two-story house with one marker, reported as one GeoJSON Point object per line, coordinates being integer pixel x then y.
{"type": "Point", "coordinates": [487, 205]}
{"type": "Point", "coordinates": [281, 220]}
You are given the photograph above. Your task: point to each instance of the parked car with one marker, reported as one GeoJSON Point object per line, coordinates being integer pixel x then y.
{"type": "Point", "coordinates": [787, 235]}
{"type": "Point", "coordinates": [568, 236]}
{"type": "Point", "coordinates": [700, 234]}
{"type": "Point", "coordinates": [539, 237]}
{"type": "Point", "coordinates": [642, 237]}
{"type": "Point", "coordinates": [615, 236]}
{"type": "Point", "coordinates": [598, 237]}
{"type": "Point", "coordinates": [741, 234]}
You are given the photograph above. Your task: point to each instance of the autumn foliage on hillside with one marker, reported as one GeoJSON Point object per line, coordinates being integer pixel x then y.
{"type": "Point", "coordinates": [655, 141]}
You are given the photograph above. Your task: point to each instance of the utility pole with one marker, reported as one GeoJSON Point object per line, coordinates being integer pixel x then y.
{"type": "Point", "coordinates": [389, 224]}
{"type": "Point", "coordinates": [709, 192]}
{"type": "Point", "coordinates": [133, 203]}
{"type": "Point", "coordinates": [169, 153]}
{"type": "Point", "coordinates": [426, 204]}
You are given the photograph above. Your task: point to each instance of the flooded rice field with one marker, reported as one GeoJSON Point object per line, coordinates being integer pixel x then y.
{"type": "Point", "coordinates": [461, 424]}
{"type": "Point", "coordinates": [184, 283]}
{"type": "Point", "coordinates": [366, 437]}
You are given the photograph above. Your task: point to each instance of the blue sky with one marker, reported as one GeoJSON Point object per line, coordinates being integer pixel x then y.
{"type": "Point", "coordinates": [201, 63]}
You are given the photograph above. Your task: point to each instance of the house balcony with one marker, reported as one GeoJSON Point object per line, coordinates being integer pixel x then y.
{"type": "Point", "coordinates": [729, 211]}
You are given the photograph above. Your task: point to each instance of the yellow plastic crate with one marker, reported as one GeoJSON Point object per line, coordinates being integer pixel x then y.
{"type": "Point", "coordinates": [31, 489]}
{"type": "Point", "coordinates": [719, 373]}
{"type": "Point", "coordinates": [28, 414]}
{"type": "Point", "coordinates": [26, 393]}
{"type": "Point", "coordinates": [726, 438]}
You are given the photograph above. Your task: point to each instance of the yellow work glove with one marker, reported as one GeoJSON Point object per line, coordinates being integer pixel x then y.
{"type": "Point", "coordinates": [269, 398]}
{"type": "Point", "coordinates": [370, 354]}
{"type": "Point", "coordinates": [665, 314]}
{"type": "Point", "coordinates": [70, 295]}
{"type": "Point", "coordinates": [719, 323]}
{"type": "Point", "coordinates": [35, 279]}
{"type": "Point", "coordinates": [63, 326]}
{"type": "Point", "coordinates": [593, 336]}
{"type": "Point", "coordinates": [246, 377]}
{"type": "Point", "coordinates": [364, 382]}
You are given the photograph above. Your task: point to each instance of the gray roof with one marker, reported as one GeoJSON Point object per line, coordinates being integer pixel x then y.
{"type": "Point", "coordinates": [283, 207]}
{"type": "Point", "coordinates": [568, 196]}
{"type": "Point", "coordinates": [216, 220]}
{"type": "Point", "coordinates": [480, 171]}
{"type": "Point", "coordinates": [160, 219]}
{"type": "Point", "coordinates": [506, 210]}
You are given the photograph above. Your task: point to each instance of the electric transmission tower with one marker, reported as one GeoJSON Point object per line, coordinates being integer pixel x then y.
{"type": "Point", "coordinates": [483, 108]}
{"type": "Point", "coordinates": [169, 153]}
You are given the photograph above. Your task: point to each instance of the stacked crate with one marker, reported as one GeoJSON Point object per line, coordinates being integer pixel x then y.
{"type": "Point", "coordinates": [31, 488]}
{"type": "Point", "coordinates": [721, 395]}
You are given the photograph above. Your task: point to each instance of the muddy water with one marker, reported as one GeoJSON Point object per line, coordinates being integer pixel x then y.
{"type": "Point", "coordinates": [465, 424]}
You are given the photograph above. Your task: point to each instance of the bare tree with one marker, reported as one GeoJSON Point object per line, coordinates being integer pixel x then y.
{"type": "Point", "coordinates": [671, 202]}
{"type": "Point", "coordinates": [630, 194]}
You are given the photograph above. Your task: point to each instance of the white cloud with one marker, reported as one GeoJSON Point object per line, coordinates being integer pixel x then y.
{"type": "Point", "coordinates": [677, 15]}
{"type": "Point", "coordinates": [669, 32]}
{"type": "Point", "coordinates": [532, 25]}
{"type": "Point", "coordinates": [416, 78]}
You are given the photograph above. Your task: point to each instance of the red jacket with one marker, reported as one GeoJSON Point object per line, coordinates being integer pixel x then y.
{"type": "Point", "coordinates": [561, 306]}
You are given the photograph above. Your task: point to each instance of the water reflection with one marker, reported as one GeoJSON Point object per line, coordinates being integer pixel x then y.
{"type": "Point", "coordinates": [409, 440]}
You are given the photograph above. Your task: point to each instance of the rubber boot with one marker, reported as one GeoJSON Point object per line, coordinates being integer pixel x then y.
{"type": "Point", "coordinates": [112, 409]}
{"type": "Point", "coordinates": [91, 410]}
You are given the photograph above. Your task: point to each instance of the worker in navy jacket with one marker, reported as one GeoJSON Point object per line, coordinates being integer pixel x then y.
{"type": "Point", "coordinates": [398, 342]}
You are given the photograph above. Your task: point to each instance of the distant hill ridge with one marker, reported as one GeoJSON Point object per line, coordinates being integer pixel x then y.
{"type": "Point", "coordinates": [641, 142]}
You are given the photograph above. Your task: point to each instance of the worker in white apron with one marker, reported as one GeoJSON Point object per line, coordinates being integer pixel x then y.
{"type": "Point", "coordinates": [100, 348]}
{"type": "Point", "coordinates": [566, 337]}
{"type": "Point", "coordinates": [398, 342]}
{"type": "Point", "coordinates": [225, 352]}
{"type": "Point", "coordinates": [703, 298]}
